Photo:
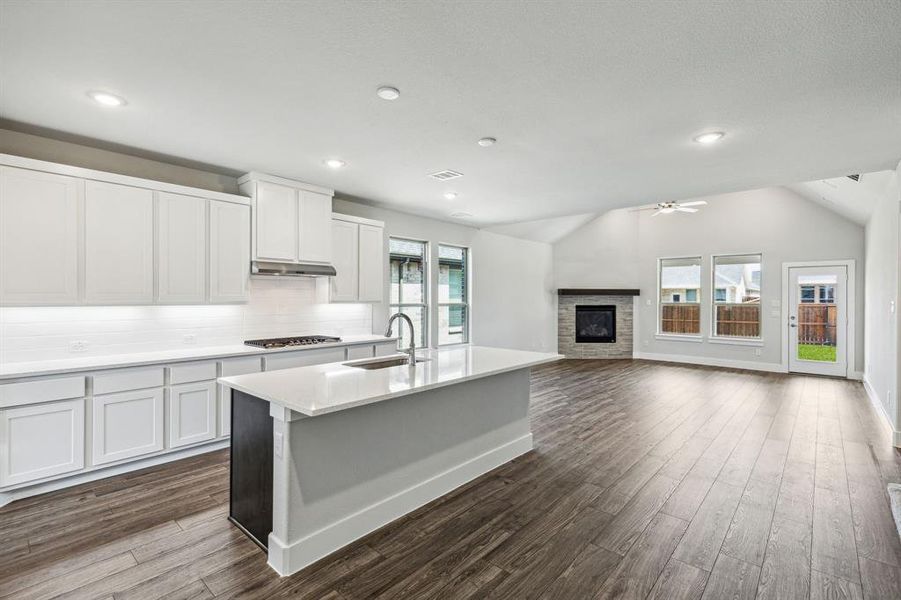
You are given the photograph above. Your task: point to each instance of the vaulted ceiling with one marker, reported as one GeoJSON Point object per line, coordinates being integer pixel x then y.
{"type": "Point", "coordinates": [594, 105]}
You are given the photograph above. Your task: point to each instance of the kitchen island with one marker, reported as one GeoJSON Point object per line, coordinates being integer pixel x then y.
{"type": "Point", "coordinates": [323, 455]}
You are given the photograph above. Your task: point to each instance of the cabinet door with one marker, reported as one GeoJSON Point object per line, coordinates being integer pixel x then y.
{"type": "Point", "coordinates": [345, 247]}
{"type": "Point", "coordinates": [38, 237]}
{"type": "Point", "coordinates": [315, 227]}
{"type": "Point", "coordinates": [192, 413]}
{"type": "Point", "coordinates": [181, 248]}
{"type": "Point", "coordinates": [371, 263]}
{"type": "Point", "coordinates": [386, 349]}
{"type": "Point", "coordinates": [127, 424]}
{"type": "Point", "coordinates": [118, 244]}
{"type": "Point", "coordinates": [41, 440]}
{"type": "Point", "coordinates": [276, 222]}
{"type": "Point", "coordinates": [229, 252]}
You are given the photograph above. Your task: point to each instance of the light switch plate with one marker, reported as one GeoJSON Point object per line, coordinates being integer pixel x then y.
{"type": "Point", "coordinates": [278, 441]}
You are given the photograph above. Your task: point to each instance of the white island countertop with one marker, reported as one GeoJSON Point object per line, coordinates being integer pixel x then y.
{"type": "Point", "coordinates": [322, 389]}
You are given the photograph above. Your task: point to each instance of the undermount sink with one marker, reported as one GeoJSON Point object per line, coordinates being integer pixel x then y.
{"type": "Point", "coordinates": [382, 363]}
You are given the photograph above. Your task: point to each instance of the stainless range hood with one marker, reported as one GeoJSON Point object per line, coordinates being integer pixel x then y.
{"type": "Point", "coordinates": [259, 267]}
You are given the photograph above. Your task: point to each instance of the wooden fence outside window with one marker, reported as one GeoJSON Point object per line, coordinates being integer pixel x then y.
{"type": "Point", "coordinates": [816, 322]}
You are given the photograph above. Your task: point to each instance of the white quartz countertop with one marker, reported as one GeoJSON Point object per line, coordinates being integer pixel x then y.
{"type": "Point", "coordinates": [322, 389]}
{"type": "Point", "coordinates": [13, 370]}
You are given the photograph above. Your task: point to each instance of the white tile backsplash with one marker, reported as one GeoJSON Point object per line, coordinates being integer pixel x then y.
{"type": "Point", "coordinates": [277, 307]}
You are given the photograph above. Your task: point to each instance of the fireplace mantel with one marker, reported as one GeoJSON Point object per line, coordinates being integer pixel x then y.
{"type": "Point", "coordinates": [597, 292]}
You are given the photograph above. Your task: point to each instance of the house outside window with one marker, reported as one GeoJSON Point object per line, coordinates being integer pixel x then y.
{"type": "Point", "coordinates": [719, 295]}
{"type": "Point", "coordinates": [453, 295]}
{"type": "Point", "coordinates": [808, 294]}
{"type": "Point", "coordinates": [409, 287]}
{"type": "Point", "coordinates": [736, 313]}
{"type": "Point", "coordinates": [826, 294]}
{"type": "Point", "coordinates": [679, 290]}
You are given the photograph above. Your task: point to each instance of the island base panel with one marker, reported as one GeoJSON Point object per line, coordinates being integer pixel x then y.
{"type": "Point", "coordinates": [251, 467]}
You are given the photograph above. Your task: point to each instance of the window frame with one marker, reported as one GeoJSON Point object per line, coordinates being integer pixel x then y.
{"type": "Point", "coordinates": [726, 339]}
{"type": "Point", "coordinates": [467, 298]}
{"type": "Point", "coordinates": [425, 305]}
{"type": "Point", "coordinates": [695, 337]}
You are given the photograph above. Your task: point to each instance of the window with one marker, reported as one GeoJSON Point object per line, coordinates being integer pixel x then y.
{"type": "Point", "coordinates": [719, 295]}
{"type": "Point", "coordinates": [678, 276]}
{"type": "Point", "coordinates": [808, 294]}
{"type": "Point", "coordinates": [738, 313]}
{"type": "Point", "coordinates": [827, 294]}
{"type": "Point", "coordinates": [453, 295]}
{"type": "Point", "coordinates": [409, 286]}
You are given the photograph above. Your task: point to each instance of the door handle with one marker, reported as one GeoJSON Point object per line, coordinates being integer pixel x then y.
{"type": "Point", "coordinates": [793, 324]}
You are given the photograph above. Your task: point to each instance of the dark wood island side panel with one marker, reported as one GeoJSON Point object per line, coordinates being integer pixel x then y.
{"type": "Point", "coordinates": [251, 466]}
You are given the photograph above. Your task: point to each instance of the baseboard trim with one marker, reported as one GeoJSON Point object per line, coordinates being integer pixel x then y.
{"type": "Point", "coordinates": [102, 473]}
{"type": "Point", "coordinates": [287, 559]}
{"type": "Point", "coordinates": [876, 402]}
{"type": "Point", "coordinates": [711, 362]}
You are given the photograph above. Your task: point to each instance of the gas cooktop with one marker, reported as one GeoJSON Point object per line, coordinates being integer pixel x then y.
{"type": "Point", "coordinates": [300, 340]}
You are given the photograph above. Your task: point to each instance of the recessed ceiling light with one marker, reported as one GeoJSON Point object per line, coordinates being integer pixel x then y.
{"type": "Point", "coordinates": [106, 99]}
{"type": "Point", "coordinates": [450, 195]}
{"type": "Point", "coordinates": [388, 93]}
{"type": "Point", "coordinates": [711, 137]}
{"type": "Point", "coordinates": [335, 163]}
{"type": "Point", "coordinates": [460, 215]}
{"type": "Point", "coordinates": [487, 141]}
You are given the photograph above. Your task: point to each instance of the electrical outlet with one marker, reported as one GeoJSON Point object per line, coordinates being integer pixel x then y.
{"type": "Point", "coordinates": [189, 338]}
{"type": "Point", "coordinates": [78, 346]}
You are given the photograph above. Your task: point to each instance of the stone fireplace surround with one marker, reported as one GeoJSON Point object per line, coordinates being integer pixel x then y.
{"type": "Point", "coordinates": [568, 299]}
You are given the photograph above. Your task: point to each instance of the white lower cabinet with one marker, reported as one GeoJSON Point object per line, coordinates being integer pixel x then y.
{"type": "Point", "coordinates": [386, 349]}
{"type": "Point", "coordinates": [41, 440]}
{"type": "Point", "coordinates": [192, 413]}
{"type": "Point", "coordinates": [229, 367]}
{"type": "Point", "coordinates": [127, 424]}
{"type": "Point", "coordinates": [358, 352]}
{"type": "Point", "coordinates": [305, 358]}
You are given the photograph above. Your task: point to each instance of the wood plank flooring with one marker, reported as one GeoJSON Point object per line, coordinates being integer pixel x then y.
{"type": "Point", "coordinates": [648, 480]}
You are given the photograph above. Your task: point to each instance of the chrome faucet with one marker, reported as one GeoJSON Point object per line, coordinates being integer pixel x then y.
{"type": "Point", "coordinates": [411, 351]}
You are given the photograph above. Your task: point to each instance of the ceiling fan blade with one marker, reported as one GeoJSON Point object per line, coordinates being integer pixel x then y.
{"type": "Point", "coordinates": [695, 203]}
{"type": "Point", "coordinates": [688, 210]}
{"type": "Point", "coordinates": [657, 214]}
{"type": "Point", "coordinates": [668, 210]}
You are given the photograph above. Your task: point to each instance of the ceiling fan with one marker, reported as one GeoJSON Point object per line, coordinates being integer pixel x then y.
{"type": "Point", "coordinates": [665, 208]}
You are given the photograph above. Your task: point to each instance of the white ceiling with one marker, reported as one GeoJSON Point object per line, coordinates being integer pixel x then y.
{"type": "Point", "coordinates": [853, 200]}
{"type": "Point", "coordinates": [594, 104]}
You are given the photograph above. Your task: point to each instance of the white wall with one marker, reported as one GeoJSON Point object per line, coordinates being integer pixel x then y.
{"type": "Point", "coordinates": [513, 294]}
{"type": "Point", "coordinates": [620, 249]}
{"type": "Point", "coordinates": [883, 278]}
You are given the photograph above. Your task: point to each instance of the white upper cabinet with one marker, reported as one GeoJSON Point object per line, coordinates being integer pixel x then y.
{"type": "Point", "coordinates": [73, 236]}
{"type": "Point", "coordinates": [371, 251]}
{"type": "Point", "coordinates": [229, 252]}
{"type": "Point", "coordinates": [358, 255]}
{"type": "Point", "coordinates": [345, 253]}
{"type": "Point", "coordinates": [277, 218]}
{"type": "Point", "coordinates": [39, 237]}
{"type": "Point", "coordinates": [315, 233]}
{"type": "Point", "coordinates": [290, 219]}
{"type": "Point", "coordinates": [118, 256]}
{"type": "Point", "coordinates": [181, 249]}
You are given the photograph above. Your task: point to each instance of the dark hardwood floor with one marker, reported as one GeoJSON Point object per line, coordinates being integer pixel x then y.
{"type": "Point", "coordinates": [647, 481]}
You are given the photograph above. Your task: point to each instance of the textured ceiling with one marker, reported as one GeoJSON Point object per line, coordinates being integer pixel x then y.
{"type": "Point", "coordinates": [594, 104]}
{"type": "Point", "coordinates": [854, 200]}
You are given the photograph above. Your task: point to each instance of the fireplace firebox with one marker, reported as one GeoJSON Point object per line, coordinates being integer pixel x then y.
{"type": "Point", "coordinates": [596, 324]}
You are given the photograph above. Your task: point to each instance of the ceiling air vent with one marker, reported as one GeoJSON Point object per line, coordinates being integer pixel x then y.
{"type": "Point", "coordinates": [445, 175]}
{"type": "Point", "coordinates": [855, 177]}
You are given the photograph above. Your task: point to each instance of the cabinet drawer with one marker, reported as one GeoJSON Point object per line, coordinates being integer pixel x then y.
{"type": "Point", "coordinates": [41, 441]}
{"type": "Point", "coordinates": [356, 352]}
{"type": "Point", "coordinates": [305, 358]}
{"type": "Point", "coordinates": [44, 390]}
{"type": "Point", "coordinates": [386, 349]}
{"type": "Point", "coordinates": [190, 372]}
{"type": "Point", "coordinates": [123, 380]}
{"type": "Point", "coordinates": [241, 366]}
